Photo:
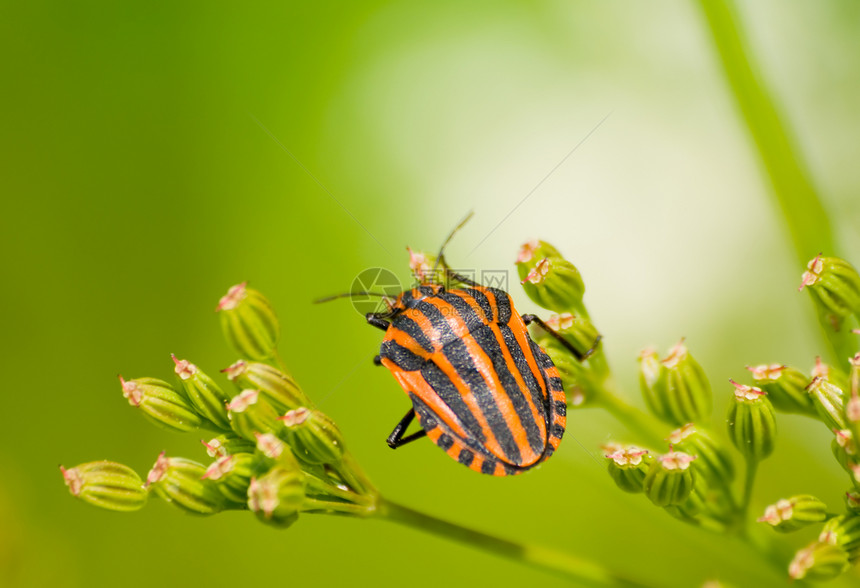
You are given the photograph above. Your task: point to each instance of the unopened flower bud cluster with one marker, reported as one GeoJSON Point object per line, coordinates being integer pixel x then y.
{"type": "Point", "coordinates": [273, 452]}
{"type": "Point", "coordinates": [554, 283]}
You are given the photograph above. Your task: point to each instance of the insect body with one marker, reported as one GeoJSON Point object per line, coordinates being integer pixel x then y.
{"type": "Point", "coordinates": [481, 388]}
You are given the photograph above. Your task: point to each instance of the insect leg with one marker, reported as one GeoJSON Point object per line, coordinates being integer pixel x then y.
{"type": "Point", "coordinates": [376, 320]}
{"type": "Point", "coordinates": [530, 318]}
{"type": "Point", "coordinates": [396, 438]}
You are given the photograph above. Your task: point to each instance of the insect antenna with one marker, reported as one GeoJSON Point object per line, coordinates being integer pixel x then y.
{"type": "Point", "coordinates": [440, 258]}
{"type": "Point", "coordinates": [350, 295]}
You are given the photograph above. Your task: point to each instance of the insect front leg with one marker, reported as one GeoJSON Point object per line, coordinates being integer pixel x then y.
{"type": "Point", "coordinates": [375, 319]}
{"type": "Point", "coordinates": [530, 318]}
{"type": "Point", "coordinates": [396, 438]}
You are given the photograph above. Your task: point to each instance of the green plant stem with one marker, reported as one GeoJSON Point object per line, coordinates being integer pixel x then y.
{"type": "Point", "coordinates": [642, 424]}
{"type": "Point", "coordinates": [315, 505]}
{"type": "Point", "coordinates": [804, 215]}
{"type": "Point", "coordinates": [574, 568]}
{"type": "Point", "coordinates": [807, 221]}
{"type": "Point", "coordinates": [749, 482]}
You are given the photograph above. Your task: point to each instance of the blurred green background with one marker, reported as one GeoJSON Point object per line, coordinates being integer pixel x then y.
{"type": "Point", "coordinates": [145, 170]}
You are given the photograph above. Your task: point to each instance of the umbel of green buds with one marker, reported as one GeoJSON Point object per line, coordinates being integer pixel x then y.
{"type": "Point", "coordinates": [279, 389]}
{"type": "Point", "coordinates": [628, 466]}
{"type": "Point", "coordinates": [181, 482]}
{"type": "Point", "coordinates": [675, 388]}
{"type": "Point", "coordinates": [207, 397]}
{"type": "Point", "coordinates": [249, 322]}
{"type": "Point", "coordinates": [314, 437]}
{"type": "Point", "coordinates": [818, 562]}
{"type": "Point", "coordinates": [277, 496]}
{"type": "Point", "coordinates": [670, 479]}
{"type": "Point", "coordinates": [251, 414]}
{"type": "Point", "coordinates": [161, 403]}
{"type": "Point", "coordinates": [843, 531]}
{"type": "Point", "coordinates": [834, 286]}
{"type": "Point", "coordinates": [713, 463]}
{"type": "Point", "coordinates": [106, 484]}
{"type": "Point", "coordinates": [751, 422]}
{"type": "Point", "coordinates": [548, 279]}
{"type": "Point", "coordinates": [796, 512]}
{"type": "Point", "coordinates": [785, 387]}
{"type": "Point", "coordinates": [829, 402]}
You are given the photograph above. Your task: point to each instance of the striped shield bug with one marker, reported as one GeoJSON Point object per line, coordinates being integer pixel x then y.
{"type": "Point", "coordinates": [480, 387]}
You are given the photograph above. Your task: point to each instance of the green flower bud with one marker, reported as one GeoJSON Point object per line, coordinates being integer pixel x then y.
{"type": "Point", "coordinates": [797, 512]}
{"type": "Point", "coordinates": [852, 403]}
{"type": "Point", "coordinates": [852, 501]}
{"type": "Point", "coordinates": [106, 484]}
{"type": "Point", "coordinates": [843, 531]}
{"type": "Point", "coordinates": [249, 322]}
{"type": "Point", "coordinates": [227, 444]}
{"type": "Point", "coordinates": [314, 437]}
{"type": "Point", "coordinates": [670, 479]}
{"type": "Point", "coordinates": [532, 252]}
{"type": "Point", "coordinates": [576, 330]}
{"type": "Point", "coordinates": [206, 396]}
{"type": "Point", "coordinates": [818, 562]}
{"type": "Point", "coordinates": [675, 388]}
{"type": "Point", "coordinates": [833, 375]}
{"type": "Point", "coordinates": [628, 466]}
{"type": "Point", "coordinates": [713, 463]}
{"type": "Point", "coordinates": [268, 445]}
{"type": "Point", "coordinates": [279, 389]}
{"type": "Point", "coordinates": [180, 482]}
{"type": "Point", "coordinates": [553, 283]}
{"type": "Point", "coordinates": [845, 451]}
{"type": "Point", "coordinates": [425, 269]}
{"type": "Point", "coordinates": [834, 286]}
{"type": "Point", "coordinates": [250, 414]}
{"type": "Point", "coordinates": [161, 403]}
{"type": "Point", "coordinates": [581, 385]}
{"type": "Point", "coordinates": [785, 388]}
{"type": "Point", "coordinates": [652, 379]}
{"type": "Point", "coordinates": [232, 474]}
{"type": "Point", "coordinates": [752, 426]}
{"type": "Point", "coordinates": [704, 506]}
{"type": "Point", "coordinates": [829, 402]}
{"type": "Point", "coordinates": [277, 497]}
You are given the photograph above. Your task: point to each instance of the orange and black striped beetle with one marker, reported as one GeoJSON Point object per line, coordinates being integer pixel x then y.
{"type": "Point", "coordinates": [481, 388]}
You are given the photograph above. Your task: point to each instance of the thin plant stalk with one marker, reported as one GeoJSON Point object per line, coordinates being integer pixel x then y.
{"type": "Point", "coordinates": [783, 163]}
{"type": "Point", "coordinates": [749, 484]}
{"type": "Point", "coordinates": [640, 423]}
{"type": "Point", "coordinates": [571, 567]}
